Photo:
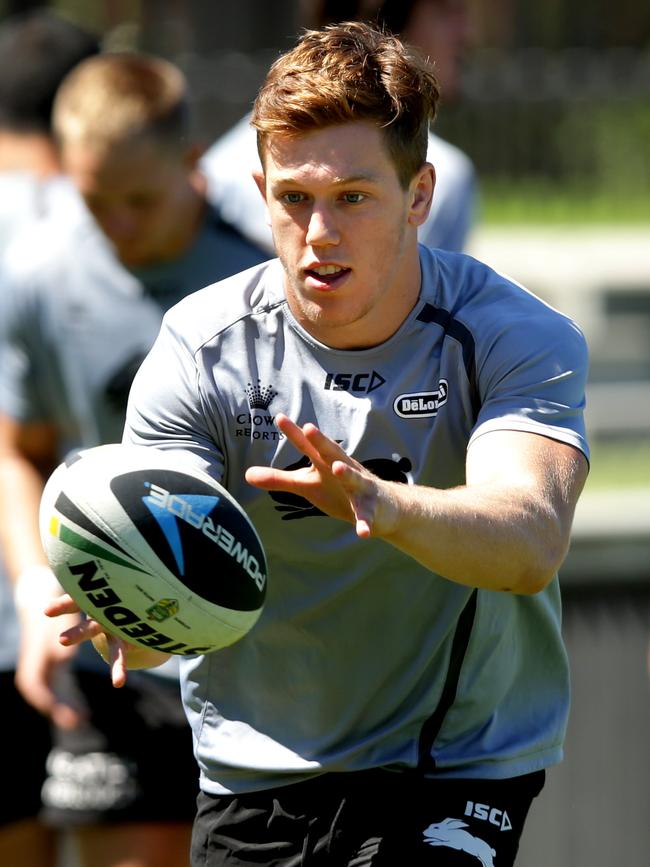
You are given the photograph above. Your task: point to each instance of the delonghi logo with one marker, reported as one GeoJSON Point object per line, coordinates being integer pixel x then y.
{"type": "Point", "coordinates": [361, 382]}
{"type": "Point", "coordinates": [421, 404]}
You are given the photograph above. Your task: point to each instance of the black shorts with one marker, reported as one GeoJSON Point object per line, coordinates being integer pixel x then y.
{"type": "Point", "coordinates": [132, 761]}
{"type": "Point", "coordinates": [367, 819]}
{"type": "Point", "coordinates": [25, 736]}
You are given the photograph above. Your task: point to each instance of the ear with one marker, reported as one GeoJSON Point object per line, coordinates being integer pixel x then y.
{"type": "Point", "coordinates": [421, 194]}
{"type": "Point", "coordinates": [260, 180]}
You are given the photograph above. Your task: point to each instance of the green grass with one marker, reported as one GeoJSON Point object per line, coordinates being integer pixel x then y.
{"type": "Point", "coordinates": [534, 202]}
{"type": "Point", "coordinates": [624, 464]}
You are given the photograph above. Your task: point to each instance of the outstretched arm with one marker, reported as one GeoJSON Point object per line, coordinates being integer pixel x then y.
{"type": "Point", "coordinates": [507, 528]}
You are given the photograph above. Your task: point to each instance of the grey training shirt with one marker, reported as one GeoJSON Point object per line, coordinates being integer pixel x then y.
{"type": "Point", "coordinates": [362, 657]}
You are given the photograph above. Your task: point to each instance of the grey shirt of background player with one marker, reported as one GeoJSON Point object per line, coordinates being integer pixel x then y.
{"type": "Point", "coordinates": [228, 166]}
{"type": "Point", "coordinates": [25, 199]}
{"type": "Point", "coordinates": [75, 325]}
{"type": "Point", "coordinates": [362, 657]}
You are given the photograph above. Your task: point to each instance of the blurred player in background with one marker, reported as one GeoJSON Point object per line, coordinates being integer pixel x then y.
{"type": "Point", "coordinates": [441, 30]}
{"type": "Point", "coordinates": [82, 303]}
{"type": "Point", "coordinates": [37, 49]}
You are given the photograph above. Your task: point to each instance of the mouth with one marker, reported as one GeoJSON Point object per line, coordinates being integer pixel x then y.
{"type": "Point", "coordinates": [326, 275]}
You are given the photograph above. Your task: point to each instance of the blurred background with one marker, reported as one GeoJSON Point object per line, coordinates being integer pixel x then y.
{"type": "Point", "coordinates": [554, 110]}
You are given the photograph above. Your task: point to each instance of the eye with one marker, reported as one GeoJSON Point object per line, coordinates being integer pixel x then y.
{"type": "Point", "coordinates": [353, 198]}
{"type": "Point", "coordinates": [292, 198]}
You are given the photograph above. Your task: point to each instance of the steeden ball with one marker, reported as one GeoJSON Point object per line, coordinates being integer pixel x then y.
{"type": "Point", "coordinates": [154, 549]}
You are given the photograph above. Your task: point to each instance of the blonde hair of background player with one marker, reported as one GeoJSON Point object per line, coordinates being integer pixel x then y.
{"type": "Point", "coordinates": [152, 104]}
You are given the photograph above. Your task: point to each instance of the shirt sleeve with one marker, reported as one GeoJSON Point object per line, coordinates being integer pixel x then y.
{"type": "Point", "coordinates": [531, 373]}
{"type": "Point", "coordinates": [165, 408]}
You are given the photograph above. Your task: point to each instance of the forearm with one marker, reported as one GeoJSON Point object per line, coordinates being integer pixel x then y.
{"type": "Point", "coordinates": [507, 529]}
{"type": "Point", "coordinates": [21, 487]}
{"type": "Point", "coordinates": [478, 536]}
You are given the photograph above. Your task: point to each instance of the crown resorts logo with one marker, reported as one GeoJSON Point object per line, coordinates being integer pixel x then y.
{"type": "Point", "coordinates": [260, 397]}
{"type": "Point", "coordinates": [258, 424]}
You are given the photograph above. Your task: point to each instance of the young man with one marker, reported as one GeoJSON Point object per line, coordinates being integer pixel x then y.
{"type": "Point", "coordinates": [440, 29]}
{"type": "Point", "coordinates": [37, 49]}
{"type": "Point", "coordinates": [406, 685]}
{"type": "Point", "coordinates": [82, 303]}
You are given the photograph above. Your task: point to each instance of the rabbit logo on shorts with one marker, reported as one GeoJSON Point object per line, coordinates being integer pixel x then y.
{"type": "Point", "coordinates": [451, 833]}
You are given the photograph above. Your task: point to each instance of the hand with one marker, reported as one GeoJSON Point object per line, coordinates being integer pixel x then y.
{"type": "Point", "coordinates": [335, 483]}
{"type": "Point", "coordinates": [42, 661]}
{"type": "Point", "coordinates": [118, 654]}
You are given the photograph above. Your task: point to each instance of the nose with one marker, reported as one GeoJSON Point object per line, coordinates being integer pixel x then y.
{"type": "Point", "coordinates": [321, 229]}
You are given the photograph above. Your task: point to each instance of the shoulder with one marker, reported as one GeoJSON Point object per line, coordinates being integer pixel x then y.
{"type": "Point", "coordinates": [492, 305]}
{"type": "Point", "coordinates": [201, 316]}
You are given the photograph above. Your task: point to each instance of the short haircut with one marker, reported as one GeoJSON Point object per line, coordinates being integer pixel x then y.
{"type": "Point", "coordinates": [37, 50]}
{"type": "Point", "coordinates": [351, 72]}
{"type": "Point", "coordinates": [119, 98]}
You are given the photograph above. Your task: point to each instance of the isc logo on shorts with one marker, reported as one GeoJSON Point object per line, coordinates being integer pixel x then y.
{"type": "Point", "coordinates": [421, 404]}
{"type": "Point", "coordinates": [489, 814]}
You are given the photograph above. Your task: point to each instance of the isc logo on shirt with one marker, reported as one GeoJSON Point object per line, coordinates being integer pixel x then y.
{"type": "Point", "coordinates": [421, 404]}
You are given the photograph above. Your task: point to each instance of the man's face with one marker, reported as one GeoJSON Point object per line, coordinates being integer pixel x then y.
{"type": "Point", "coordinates": [141, 197]}
{"type": "Point", "coordinates": [345, 231]}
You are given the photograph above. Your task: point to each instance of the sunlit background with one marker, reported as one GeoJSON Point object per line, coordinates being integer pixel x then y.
{"type": "Point", "coordinates": [554, 110]}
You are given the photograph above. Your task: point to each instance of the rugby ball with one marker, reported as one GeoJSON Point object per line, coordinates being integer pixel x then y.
{"type": "Point", "coordinates": [153, 549]}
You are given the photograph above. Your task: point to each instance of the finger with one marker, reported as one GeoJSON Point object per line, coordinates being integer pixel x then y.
{"type": "Point", "coordinates": [326, 448]}
{"type": "Point", "coordinates": [85, 630]}
{"type": "Point", "coordinates": [61, 605]}
{"type": "Point", "coordinates": [296, 436]}
{"type": "Point", "coordinates": [363, 529]}
{"type": "Point", "coordinates": [117, 661]}
{"type": "Point", "coordinates": [271, 479]}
